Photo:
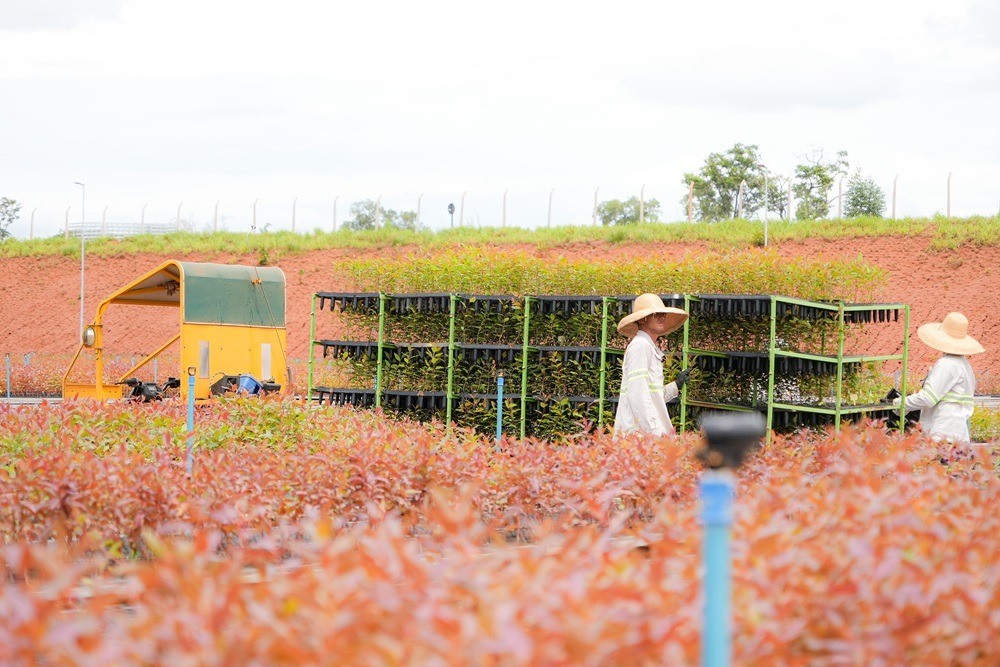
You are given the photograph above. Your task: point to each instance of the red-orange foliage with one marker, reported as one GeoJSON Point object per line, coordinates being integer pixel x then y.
{"type": "Point", "coordinates": [391, 543]}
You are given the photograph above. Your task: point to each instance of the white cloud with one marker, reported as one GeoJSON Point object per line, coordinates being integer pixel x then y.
{"type": "Point", "coordinates": [207, 100]}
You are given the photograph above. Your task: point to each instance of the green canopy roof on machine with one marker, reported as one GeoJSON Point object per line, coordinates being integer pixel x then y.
{"type": "Point", "coordinates": [212, 293]}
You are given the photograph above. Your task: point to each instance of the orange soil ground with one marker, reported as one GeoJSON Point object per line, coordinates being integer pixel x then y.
{"type": "Point", "coordinates": [39, 303]}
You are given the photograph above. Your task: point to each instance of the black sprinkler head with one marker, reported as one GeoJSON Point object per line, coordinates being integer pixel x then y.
{"type": "Point", "coordinates": [728, 437]}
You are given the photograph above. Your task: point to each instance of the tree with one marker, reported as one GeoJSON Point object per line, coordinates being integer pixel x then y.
{"type": "Point", "coordinates": [863, 197]}
{"type": "Point", "coordinates": [813, 181]}
{"type": "Point", "coordinates": [9, 213]}
{"type": "Point", "coordinates": [776, 195]}
{"type": "Point", "coordinates": [364, 217]}
{"type": "Point", "coordinates": [717, 185]}
{"type": "Point", "coordinates": [618, 212]}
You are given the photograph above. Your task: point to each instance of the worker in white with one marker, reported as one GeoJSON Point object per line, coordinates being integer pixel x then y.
{"type": "Point", "coordinates": [642, 403]}
{"type": "Point", "coordinates": [946, 399]}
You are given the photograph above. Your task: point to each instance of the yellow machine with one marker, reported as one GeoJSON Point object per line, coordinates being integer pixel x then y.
{"type": "Point", "coordinates": [232, 324]}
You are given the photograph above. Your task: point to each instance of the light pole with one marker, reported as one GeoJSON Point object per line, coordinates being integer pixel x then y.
{"type": "Point", "coordinates": [761, 166]}
{"type": "Point", "coordinates": [83, 248]}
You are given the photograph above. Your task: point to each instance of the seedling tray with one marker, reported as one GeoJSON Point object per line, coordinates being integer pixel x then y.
{"type": "Point", "coordinates": [355, 302]}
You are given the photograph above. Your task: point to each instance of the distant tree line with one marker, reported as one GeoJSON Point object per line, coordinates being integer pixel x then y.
{"type": "Point", "coordinates": [716, 192]}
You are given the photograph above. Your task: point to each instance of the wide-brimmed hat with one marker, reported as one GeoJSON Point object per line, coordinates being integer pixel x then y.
{"type": "Point", "coordinates": [950, 336]}
{"type": "Point", "coordinates": [649, 304]}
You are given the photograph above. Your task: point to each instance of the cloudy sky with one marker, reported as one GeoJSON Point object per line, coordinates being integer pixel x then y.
{"type": "Point", "coordinates": [183, 104]}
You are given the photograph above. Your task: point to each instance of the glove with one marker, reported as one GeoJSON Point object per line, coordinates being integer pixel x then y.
{"type": "Point", "coordinates": [897, 400]}
{"type": "Point", "coordinates": [682, 378]}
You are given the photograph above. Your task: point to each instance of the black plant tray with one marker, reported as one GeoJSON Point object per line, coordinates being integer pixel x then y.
{"type": "Point", "coordinates": [577, 354]}
{"type": "Point", "coordinates": [362, 398]}
{"type": "Point", "coordinates": [500, 354]}
{"type": "Point", "coordinates": [391, 398]}
{"type": "Point", "coordinates": [756, 363]}
{"type": "Point", "coordinates": [467, 351]}
{"type": "Point", "coordinates": [483, 303]}
{"type": "Point", "coordinates": [876, 314]}
{"type": "Point", "coordinates": [406, 304]}
{"type": "Point", "coordinates": [415, 400]}
{"type": "Point", "coordinates": [567, 305]}
{"type": "Point", "coordinates": [782, 418]}
{"type": "Point", "coordinates": [730, 305]}
{"type": "Point", "coordinates": [353, 349]}
{"type": "Point", "coordinates": [356, 302]}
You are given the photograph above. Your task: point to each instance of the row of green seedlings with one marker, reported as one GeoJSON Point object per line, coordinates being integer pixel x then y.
{"type": "Point", "coordinates": [553, 378]}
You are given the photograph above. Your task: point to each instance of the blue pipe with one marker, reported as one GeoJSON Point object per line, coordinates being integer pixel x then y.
{"type": "Point", "coordinates": [499, 406]}
{"type": "Point", "coordinates": [717, 504]}
{"type": "Point", "coordinates": [190, 436]}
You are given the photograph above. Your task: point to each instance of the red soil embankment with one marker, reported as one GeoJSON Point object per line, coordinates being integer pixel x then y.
{"type": "Point", "coordinates": [40, 309]}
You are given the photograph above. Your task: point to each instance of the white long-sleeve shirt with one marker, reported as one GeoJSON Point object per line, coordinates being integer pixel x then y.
{"type": "Point", "coordinates": [946, 400]}
{"type": "Point", "coordinates": [642, 403]}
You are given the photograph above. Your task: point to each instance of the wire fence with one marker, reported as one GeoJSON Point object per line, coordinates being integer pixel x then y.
{"type": "Point", "coordinates": [561, 205]}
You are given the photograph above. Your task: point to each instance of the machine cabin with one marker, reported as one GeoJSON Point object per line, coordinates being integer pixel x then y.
{"type": "Point", "coordinates": [232, 322]}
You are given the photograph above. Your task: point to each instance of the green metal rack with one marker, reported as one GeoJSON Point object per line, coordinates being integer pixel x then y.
{"type": "Point", "coordinates": [710, 307]}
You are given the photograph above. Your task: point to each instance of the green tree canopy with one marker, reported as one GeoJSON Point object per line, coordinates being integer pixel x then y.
{"type": "Point", "coordinates": [366, 214]}
{"type": "Point", "coordinates": [9, 213]}
{"type": "Point", "coordinates": [813, 181]}
{"type": "Point", "coordinates": [863, 197]}
{"type": "Point", "coordinates": [618, 212]}
{"type": "Point", "coordinates": [717, 184]}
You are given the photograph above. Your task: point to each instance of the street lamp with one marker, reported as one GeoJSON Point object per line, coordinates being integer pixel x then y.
{"type": "Point", "coordinates": [761, 166]}
{"type": "Point", "coordinates": [83, 247]}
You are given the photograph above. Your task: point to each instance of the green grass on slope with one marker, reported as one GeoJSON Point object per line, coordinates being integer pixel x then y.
{"type": "Point", "coordinates": [732, 234]}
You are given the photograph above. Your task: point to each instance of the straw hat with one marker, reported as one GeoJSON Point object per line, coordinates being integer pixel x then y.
{"type": "Point", "coordinates": [950, 336]}
{"type": "Point", "coordinates": [648, 304]}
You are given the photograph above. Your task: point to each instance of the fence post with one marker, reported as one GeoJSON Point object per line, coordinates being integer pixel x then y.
{"type": "Point", "coordinates": [549, 223]}
{"type": "Point", "coordinates": [142, 219]}
{"type": "Point", "coordinates": [67, 221]}
{"type": "Point", "coordinates": [461, 211]}
{"type": "Point", "coordinates": [840, 198]}
{"type": "Point", "coordinates": [335, 212]}
{"type": "Point", "coordinates": [789, 200]}
{"type": "Point", "coordinates": [690, 200]}
{"type": "Point", "coordinates": [948, 211]}
{"type": "Point", "coordinates": [31, 229]}
{"type": "Point", "coordinates": [739, 199]}
{"type": "Point", "coordinates": [595, 203]}
{"type": "Point", "coordinates": [294, 202]}
{"type": "Point", "coordinates": [416, 224]}
{"type": "Point", "coordinates": [896, 178]}
{"type": "Point", "coordinates": [503, 220]}
{"type": "Point", "coordinates": [179, 215]}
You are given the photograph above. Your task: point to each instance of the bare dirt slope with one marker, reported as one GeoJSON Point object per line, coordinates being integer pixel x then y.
{"type": "Point", "coordinates": [39, 304]}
